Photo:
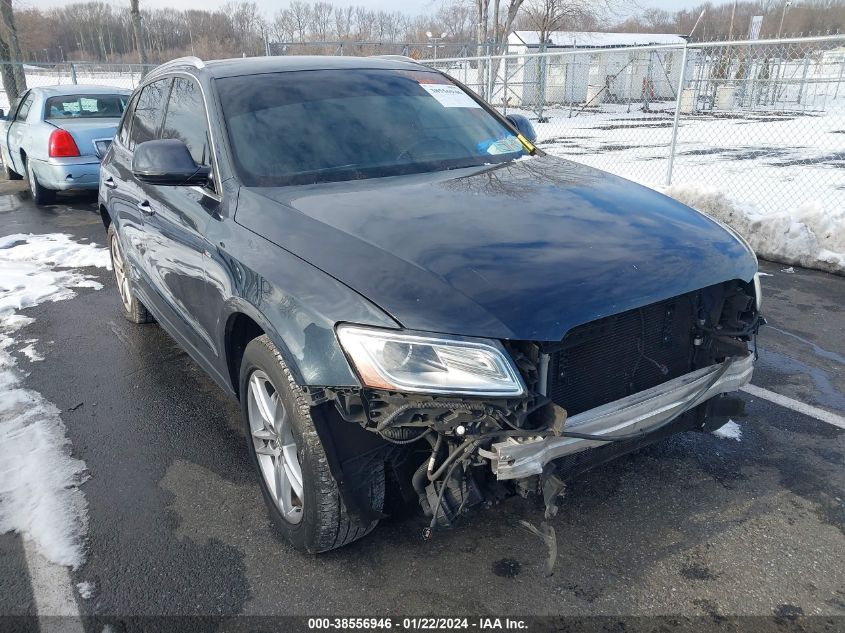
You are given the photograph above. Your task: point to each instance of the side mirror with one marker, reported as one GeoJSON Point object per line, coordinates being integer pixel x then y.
{"type": "Point", "coordinates": [524, 126]}
{"type": "Point", "coordinates": [167, 162]}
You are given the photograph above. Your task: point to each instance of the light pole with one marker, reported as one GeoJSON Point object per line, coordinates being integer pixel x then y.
{"type": "Point", "coordinates": [435, 39]}
{"type": "Point", "coordinates": [783, 16]}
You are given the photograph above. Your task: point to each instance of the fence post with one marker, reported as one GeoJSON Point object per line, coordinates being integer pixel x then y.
{"type": "Point", "coordinates": [490, 72]}
{"type": "Point", "coordinates": [803, 78]}
{"type": "Point", "coordinates": [73, 73]}
{"type": "Point", "coordinates": [677, 115]}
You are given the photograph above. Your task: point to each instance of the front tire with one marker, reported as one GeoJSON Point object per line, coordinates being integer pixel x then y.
{"type": "Point", "coordinates": [300, 492]}
{"type": "Point", "coordinates": [133, 309]}
{"type": "Point", "coordinates": [40, 194]}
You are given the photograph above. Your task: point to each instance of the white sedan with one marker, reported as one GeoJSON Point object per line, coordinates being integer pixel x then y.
{"type": "Point", "coordinates": [56, 136]}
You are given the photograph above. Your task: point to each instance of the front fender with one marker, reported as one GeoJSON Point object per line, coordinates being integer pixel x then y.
{"type": "Point", "coordinates": [296, 304]}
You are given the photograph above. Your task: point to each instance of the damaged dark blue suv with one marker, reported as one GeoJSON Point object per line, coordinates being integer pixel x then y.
{"type": "Point", "coordinates": [411, 301]}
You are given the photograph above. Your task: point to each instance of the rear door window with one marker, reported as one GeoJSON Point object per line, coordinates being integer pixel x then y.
{"type": "Point", "coordinates": [149, 112]}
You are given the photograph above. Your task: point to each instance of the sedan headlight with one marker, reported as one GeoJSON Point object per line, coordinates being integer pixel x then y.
{"type": "Point", "coordinates": [401, 361]}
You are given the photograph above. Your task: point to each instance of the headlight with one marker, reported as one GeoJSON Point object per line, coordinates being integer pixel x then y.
{"type": "Point", "coordinates": [758, 291]}
{"type": "Point", "coordinates": [417, 363]}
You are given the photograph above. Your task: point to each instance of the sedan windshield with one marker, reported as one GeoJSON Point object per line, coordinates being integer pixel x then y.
{"type": "Point", "coordinates": [303, 127]}
{"type": "Point", "coordinates": [85, 106]}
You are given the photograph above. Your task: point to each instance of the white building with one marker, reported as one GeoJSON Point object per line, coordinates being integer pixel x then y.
{"type": "Point", "coordinates": [593, 68]}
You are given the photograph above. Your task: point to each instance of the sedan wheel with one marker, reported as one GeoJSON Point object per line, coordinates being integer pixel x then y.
{"type": "Point", "coordinates": [40, 194]}
{"type": "Point", "coordinates": [275, 446]}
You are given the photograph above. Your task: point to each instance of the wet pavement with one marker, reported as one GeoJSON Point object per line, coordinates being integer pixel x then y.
{"type": "Point", "coordinates": [695, 525]}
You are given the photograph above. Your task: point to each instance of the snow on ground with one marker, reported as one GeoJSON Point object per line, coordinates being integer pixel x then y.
{"type": "Point", "coordinates": [85, 589]}
{"type": "Point", "coordinates": [777, 178]}
{"type": "Point", "coordinates": [39, 479]}
{"type": "Point", "coordinates": [30, 352]}
{"type": "Point", "coordinates": [38, 268]}
{"type": "Point", "coordinates": [730, 431]}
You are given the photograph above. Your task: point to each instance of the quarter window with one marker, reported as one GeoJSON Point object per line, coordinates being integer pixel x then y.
{"type": "Point", "coordinates": [23, 111]}
{"type": "Point", "coordinates": [149, 112]}
{"type": "Point", "coordinates": [126, 123]}
{"type": "Point", "coordinates": [186, 120]}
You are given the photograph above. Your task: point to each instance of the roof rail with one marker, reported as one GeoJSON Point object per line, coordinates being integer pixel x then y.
{"type": "Point", "coordinates": [190, 60]}
{"type": "Point", "coordinates": [396, 58]}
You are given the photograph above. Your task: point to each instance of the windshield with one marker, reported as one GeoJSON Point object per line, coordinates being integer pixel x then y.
{"type": "Point", "coordinates": [303, 127]}
{"type": "Point", "coordinates": [85, 106]}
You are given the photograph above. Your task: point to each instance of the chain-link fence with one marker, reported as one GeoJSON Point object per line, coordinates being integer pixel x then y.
{"type": "Point", "coordinates": [114, 75]}
{"type": "Point", "coordinates": [433, 49]}
{"type": "Point", "coordinates": [762, 121]}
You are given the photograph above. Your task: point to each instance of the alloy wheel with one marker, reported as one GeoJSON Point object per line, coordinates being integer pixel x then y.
{"type": "Point", "coordinates": [120, 273]}
{"type": "Point", "coordinates": [275, 446]}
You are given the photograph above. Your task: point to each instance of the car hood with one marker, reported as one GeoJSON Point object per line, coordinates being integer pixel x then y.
{"type": "Point", "coordinates": [523, 250]}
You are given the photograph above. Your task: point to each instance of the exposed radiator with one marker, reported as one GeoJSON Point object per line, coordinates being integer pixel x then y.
{"type": "Point", "coordinates": [616, 356]}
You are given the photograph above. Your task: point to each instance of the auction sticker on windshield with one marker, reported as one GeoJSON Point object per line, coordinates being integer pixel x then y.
{"type": "Point", "coordinates": [449, 96]}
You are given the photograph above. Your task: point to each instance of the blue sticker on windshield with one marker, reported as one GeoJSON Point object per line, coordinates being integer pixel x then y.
{"type": "Point", "coordinates": [507, 145]}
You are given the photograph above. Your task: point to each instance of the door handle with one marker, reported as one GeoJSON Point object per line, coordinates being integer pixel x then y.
{"type": "Point", "coordinates": [145, 208]}
{"type": "Point", "coordinates": [110, 183]}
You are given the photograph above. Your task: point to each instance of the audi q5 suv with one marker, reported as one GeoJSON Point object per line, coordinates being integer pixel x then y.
{"type": "Point", "coordinates": [409, 299]}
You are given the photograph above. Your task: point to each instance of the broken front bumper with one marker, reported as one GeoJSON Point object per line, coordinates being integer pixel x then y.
{"type": "Point", "coordinates": [641, 411]}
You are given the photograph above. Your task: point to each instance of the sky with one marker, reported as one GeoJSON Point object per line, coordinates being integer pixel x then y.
{"type": "Point", "coordinates": [411, 7]}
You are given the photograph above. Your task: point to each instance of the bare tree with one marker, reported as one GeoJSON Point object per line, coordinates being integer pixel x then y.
{"type": "Point", "coordinates": [321, 20]}
{"type": "Point", "coordinates": [343, 17]}
{"type": "Point", "coordinates": [300, 13]}
{"type": "Point", "coordinates": [138, 32]}
{"type": "Point", "coordinates": [10, 38]}
{"type": "Point", "coordinates": [547, 16]}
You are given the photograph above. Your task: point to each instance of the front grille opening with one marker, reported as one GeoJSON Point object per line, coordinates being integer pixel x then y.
{"type": "Point", "coordinates": [619, 355]}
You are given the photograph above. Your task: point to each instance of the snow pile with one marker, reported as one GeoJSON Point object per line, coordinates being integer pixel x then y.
{"type": "Point", "coordinates": [30, 262]}
{"type": "Point", "coordinates": [810, 235]}
{"type": "Point", "coordinates": [39, 480]}
{"type": "Point", "coordinates": [730, 431]}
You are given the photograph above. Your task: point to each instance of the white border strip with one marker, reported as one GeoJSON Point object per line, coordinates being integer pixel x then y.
{"type": "Point", "coordinates": [795, 405]}
{"type": "Point", "coordinates": [52, 591]}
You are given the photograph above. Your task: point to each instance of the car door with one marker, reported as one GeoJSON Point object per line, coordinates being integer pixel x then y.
{"type": "Point", "coordinates": [16, 132]}
{"type": "Point", "coordinates": [142, 122]}
{"type": "Point", "coordinates": [176, 248]}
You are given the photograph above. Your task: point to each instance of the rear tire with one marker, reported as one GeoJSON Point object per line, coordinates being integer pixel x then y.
{"type": "Point", "coordinates": [133, 309]}
{"type": "Point", "coordinates": [40, 194]}
{"type": "Point", "coordinates": [289, 445]}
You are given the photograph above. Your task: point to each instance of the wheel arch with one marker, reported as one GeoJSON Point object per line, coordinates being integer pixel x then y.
{"type": "Point", "coordinates": [105, 216]}
{"type": "Point", "coordinates": [243, 324]}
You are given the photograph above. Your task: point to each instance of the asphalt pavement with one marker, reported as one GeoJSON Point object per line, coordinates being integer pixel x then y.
{"type": "Point", "coordinates": [695, 526]}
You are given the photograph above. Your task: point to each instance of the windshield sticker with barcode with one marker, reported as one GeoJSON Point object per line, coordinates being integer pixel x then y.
{"type": "Point", "coordinates": [450, 96]}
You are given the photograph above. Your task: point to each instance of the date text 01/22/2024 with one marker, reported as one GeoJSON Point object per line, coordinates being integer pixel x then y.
{"type": "Point", "coordinates": [418, 624]}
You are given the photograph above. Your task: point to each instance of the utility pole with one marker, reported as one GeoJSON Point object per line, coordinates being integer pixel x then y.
{"type": "Point", "coordinates": [731, 29]}
{"type": "Point", "coordinates": [190, 31]}
{"type": "Point", "coordinates": [783, 16]}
